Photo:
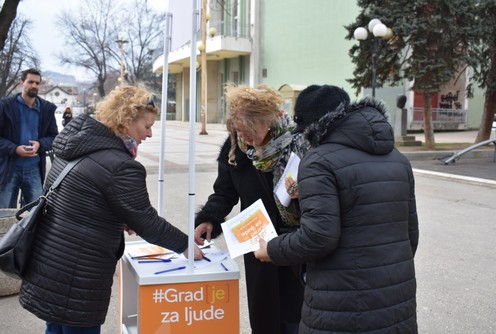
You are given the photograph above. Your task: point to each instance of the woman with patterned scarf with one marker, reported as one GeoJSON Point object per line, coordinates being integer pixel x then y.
{"type": "Point", "coordinates": [265, 134]}
{"type": "Point", "coordinates": [274, 294]}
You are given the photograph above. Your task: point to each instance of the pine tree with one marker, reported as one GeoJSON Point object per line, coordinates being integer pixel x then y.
{"type": "Point", "coordinates": [429, 46]}
{"type": "Point", "coordinates": [483, 63]}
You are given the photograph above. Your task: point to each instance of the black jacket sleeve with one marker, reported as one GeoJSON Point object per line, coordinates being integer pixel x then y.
{"type": "Point", "coordinates": [221, 202]}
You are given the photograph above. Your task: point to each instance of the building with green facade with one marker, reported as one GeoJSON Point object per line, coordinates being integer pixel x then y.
{"type": "Point", "coordinates": [289, 44]}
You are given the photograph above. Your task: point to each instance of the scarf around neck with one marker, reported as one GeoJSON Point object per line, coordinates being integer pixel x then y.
{"type": "Point", "coordinates": [130, 144]}
{"type": "Point", "coordinates": [265, 157]}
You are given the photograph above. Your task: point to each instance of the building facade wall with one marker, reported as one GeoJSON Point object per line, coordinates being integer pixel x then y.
{"type": "Point", "coordinates": [304, 42]}
{"type": "Point", "coordinates": [298, 43]}
{"type": "Point", "coordinates": [60, 98]}
{"type": "Point", "coordinates": [475, 109]}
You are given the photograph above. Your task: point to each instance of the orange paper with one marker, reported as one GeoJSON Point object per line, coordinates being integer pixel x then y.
{"type": "Point", "coordinates": [250, 227]}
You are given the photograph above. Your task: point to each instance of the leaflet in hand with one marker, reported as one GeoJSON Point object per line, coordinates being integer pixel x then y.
{"type": "Point", "coordinates": [291, 170]}
{"type": "Point", "coordinates": [243, 231]}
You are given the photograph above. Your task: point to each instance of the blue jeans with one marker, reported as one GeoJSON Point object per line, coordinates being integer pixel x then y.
{"type": "Point", "coordinates": [52, 328]}
{"type": "Point", "coordinates": [28, 181]}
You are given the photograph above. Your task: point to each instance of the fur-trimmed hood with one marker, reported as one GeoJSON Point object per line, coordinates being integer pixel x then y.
{"type": "Point", "coordinates": [362, 125]}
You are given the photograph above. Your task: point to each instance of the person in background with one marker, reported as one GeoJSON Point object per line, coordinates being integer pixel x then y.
{"type": "Point", "coordinates": [359, 229]}
{"type": "Point", "coordinates": [275, 294]}
{"type": "Point", "coordinates": [27, 130]}
{"type": "Point", "coordinates": [66, 116]}
{"type": "Point", "coordinates": [69, 279]}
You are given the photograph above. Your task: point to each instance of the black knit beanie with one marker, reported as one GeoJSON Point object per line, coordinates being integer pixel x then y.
{"type": "Point", "coordinates": [315, 101]}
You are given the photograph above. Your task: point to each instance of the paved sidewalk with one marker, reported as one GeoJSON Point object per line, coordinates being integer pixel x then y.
{"type": "Point", "coordinates": [477, 163]}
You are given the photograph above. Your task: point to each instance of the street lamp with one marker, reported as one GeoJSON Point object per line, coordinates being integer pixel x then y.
{"type": "Point", "coordinates": [381, 32]}
{"type": "Point", "coordinates": [121, 41]}
{"type": "Point", "coordinates": [203, 58]}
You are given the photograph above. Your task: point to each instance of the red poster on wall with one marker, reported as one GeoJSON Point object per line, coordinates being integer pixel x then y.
{"type": "Point", "coordinates": [418, 100]}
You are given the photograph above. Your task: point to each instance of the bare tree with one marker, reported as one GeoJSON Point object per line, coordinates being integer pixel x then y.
{"type": "Point", "coordinates": [7, 16]}
{"type": "Point", "coordinates": [90, 32]}
{"type": "Point", "coordinates": [144, 37]}
{"type": "Point", "coordinates": [16, 55]}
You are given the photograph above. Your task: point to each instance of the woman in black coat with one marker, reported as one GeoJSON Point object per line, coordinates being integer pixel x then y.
{"type": "Point", "coordinates": [275, 294]}
{"type": "Point", "coordinates": [79, 240]}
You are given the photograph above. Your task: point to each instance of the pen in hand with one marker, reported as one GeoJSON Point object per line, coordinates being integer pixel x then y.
{"type": "Point", "coordinates": [206, 258]}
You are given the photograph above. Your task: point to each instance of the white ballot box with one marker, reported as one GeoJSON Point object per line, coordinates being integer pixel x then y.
{"type": "Point", "coordinates": [158, 293]}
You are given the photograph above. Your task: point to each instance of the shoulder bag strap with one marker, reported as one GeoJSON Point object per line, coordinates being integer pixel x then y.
{"type": "Point", "coordinates": [63, 174]}
{"type": "Point", "coordinates": [55, 184]}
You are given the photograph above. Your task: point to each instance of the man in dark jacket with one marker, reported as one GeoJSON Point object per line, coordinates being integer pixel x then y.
{"type": "Point", "coordinates": [27, 130]}
{"type": "Point", "coordinates": [275, 294]}
{"type": "Point", "coordinates": [359, 227]}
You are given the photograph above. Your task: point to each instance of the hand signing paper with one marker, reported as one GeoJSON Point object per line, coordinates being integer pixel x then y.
{"type": "Point", "coordinates": [206, 229]}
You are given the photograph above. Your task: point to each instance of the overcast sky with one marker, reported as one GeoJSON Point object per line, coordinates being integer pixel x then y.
{"type": "Point", "coordinates": [44, 36]}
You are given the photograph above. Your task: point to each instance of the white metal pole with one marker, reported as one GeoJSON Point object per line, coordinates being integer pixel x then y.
{"type": "Point", "coordinates": [163, 112]}
{"type": "Point", "coordinates": [192, 123]}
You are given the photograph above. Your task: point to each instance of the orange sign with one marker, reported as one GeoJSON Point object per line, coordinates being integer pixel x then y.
{"type": "Point", "coordinates": [250, 227]}
{"type": "Point", "coordinates": [183, 308]}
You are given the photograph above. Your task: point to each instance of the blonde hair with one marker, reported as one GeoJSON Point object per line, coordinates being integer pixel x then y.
{"type": "Point", "coordinates": [233, 137]}
{"type": "Point", "coordinates": [250, 106]}
{"type": "Point", "coordinates": [124, 105]}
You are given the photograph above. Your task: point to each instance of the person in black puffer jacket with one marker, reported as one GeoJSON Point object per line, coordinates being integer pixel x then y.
{"type": "Point", "coordinates": [359, 228]}
{"type": "Point", "coordinates": [81, 237]}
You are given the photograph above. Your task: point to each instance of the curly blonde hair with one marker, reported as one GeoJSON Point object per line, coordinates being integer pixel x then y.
{"type": "Point", "coordinates": [124, 105]}
{"type": "Point", "coordinates": [250, 106]}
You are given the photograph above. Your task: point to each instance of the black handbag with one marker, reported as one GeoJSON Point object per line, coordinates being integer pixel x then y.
{"type": "Point", "coordinates": [16, 244]}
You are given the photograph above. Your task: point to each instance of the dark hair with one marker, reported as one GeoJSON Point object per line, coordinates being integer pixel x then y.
{"type": "Point", "coordinates": [25, 73]}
